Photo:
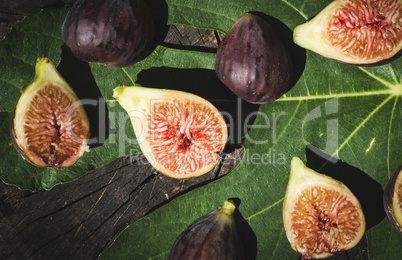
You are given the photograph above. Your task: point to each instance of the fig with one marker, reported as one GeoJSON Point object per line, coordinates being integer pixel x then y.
{"type": "Point", "coordinates": [49, 127]}
{"type": "Point", "coordinates": [182, 135]}
{"type": "Point", "coordinates": [213, 236]}
{"type": "Point", "coordinates": [321, 215]}
{"type": "Point", "coordinates": [115, 33]}
{"type": "Point", "coordinates": [252, 61]}
{"type": "Point", "coordinates": [393, 200]}
{"type": "Point", "coordinates": [356, 32]}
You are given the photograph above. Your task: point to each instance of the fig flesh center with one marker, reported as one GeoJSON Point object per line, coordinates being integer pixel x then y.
{"type": "Point", "coordinates": [53, 128]}
{"type": "Point", "coordinates": [181, 131]}
{"type": "Point", "coordinates": [366, 29]}
{"type": "Point", "coordinates": [324, 221]}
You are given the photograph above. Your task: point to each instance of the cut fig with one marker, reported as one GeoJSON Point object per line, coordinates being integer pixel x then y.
{"type": "Point", "coordinates": [252, 61]}
{"type": "Point", "coordinates": [393, 200]}
{"type": "Point", "coordinates": [115, 33]}
{"type": "Point", "coordinates": [355, 32]}
{"type": "Point", "coordinates": [182, 135]}
{"type": "Point", "coordinates": [50, 127]}
{"type": "Point", "coordinates": [321, 215]}
{"type": "Point", "coordinates": [213, 236]}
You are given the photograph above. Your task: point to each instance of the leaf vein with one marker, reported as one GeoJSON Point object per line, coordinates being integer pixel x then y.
{"type": "Point", "coordinates": [384, 82]}
{"type": "Point", "coordinates": [277, 243]}
{"type": "Point", "coordinates": [389, 136]}
{"type": "Point", "coordinates": [290, 120]}
{"type": "Point", "coordinates": [361, 125]}
{"type": "Point", "coordinates": [128, 76]}
{"type": "Point", "coordinates": [343, 95]}
{"type": "Point", "coordinates": [391, 69]}
{"type": "Point", "coordinates": [294, 8]}
{"type": "Point", "coordinates": [264, 209]}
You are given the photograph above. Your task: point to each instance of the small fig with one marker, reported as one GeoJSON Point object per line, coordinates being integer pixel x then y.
{"type": "Point", "coordinates": [49, 127]}
{"type": "Point", "coordinates": [393, 200]}
{"type": "Point", "coordinates": [252, 61]}
{"type": "Point", "coordinates": [213, 236]}
{"type": "Point", "coordinates": [115, 33]}
{"type": "Point", "coordinates": [182, 135]}
{"type": "Point", "coordinates": [321, 215]}
{"type": "Point", "coordinates": [356, 32]}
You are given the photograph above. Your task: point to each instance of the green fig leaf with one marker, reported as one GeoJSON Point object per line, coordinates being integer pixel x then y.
{"type": "Point", "coordinates": [351, 113]}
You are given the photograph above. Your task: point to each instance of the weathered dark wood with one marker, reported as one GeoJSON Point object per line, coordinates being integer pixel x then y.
{"type": "Point", "coordinates": [79, 219]}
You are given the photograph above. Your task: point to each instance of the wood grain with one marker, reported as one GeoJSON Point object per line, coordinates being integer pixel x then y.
{"type": "Point", "coordinates": [79, 219]}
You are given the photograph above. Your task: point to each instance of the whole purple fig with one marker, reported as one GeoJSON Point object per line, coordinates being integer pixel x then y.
{"type": "Point", "coordinates": [252, 61]}
{"type": "Point", "coordinates": [115, 33]}
{"type": "Point", "coordinates": [213, 236]}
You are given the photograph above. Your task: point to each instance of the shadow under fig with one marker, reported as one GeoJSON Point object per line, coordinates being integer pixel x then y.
{"type": "Point", "coordinates": [79, 76]}
{"type": "Point", "coordinates": [239, 115]}
{"type": "Point", "coordinates": [159, 12]}
{"type": "Point", "coordinates": [368, 191]}
{"type": "Point", "coordinates": [248, 238]}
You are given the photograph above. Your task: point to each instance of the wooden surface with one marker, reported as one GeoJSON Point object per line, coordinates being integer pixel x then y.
{"type": "Point", "coordinates": [80, 219]}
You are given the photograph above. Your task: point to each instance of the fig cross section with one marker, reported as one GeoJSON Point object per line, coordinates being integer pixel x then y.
{"type": "Point", "coordinates": [182, 135]}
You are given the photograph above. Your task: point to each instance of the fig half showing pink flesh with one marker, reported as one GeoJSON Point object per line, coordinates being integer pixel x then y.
{"type": "Point", "coordinates": [50, 127]}
{"type": "Point", "coordinates": [321, 215]}
{"type": "Point", "coordinates": [356, 32]}
{"type": "Point", "coordinates": [182, 135]}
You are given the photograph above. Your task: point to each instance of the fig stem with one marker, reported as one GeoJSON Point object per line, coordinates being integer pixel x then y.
{"type": "Point", "coordinates": [117, 92]}
{"type": "Point", "coordinates": [228, 207]}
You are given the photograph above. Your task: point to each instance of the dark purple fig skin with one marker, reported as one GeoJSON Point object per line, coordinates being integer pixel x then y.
{"type": "Point", "coordinates": [116, 33]}
{"type": "Point", "coordinates": [208, 238]}
{"type": "Point", "coordinates": [252, 61]}
{"type": "Point", "coordinates": [387, 199]}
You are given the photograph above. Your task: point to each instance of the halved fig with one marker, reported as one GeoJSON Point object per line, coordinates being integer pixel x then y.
{"type": "Point", "coordinates": [182, 135]}
{"type": "Point", "coordinates": [321, 215]}
{"type": "Point", "coordinates": [393, 200]}
{"type": "Point", "coordinates": [252, 61]}
{"type": "Point", "coordinates": [355, 32]}
{"type": "Point", "coordinates": [213, 236]}
{"type": "Point", "coordinates": [49, 127]}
